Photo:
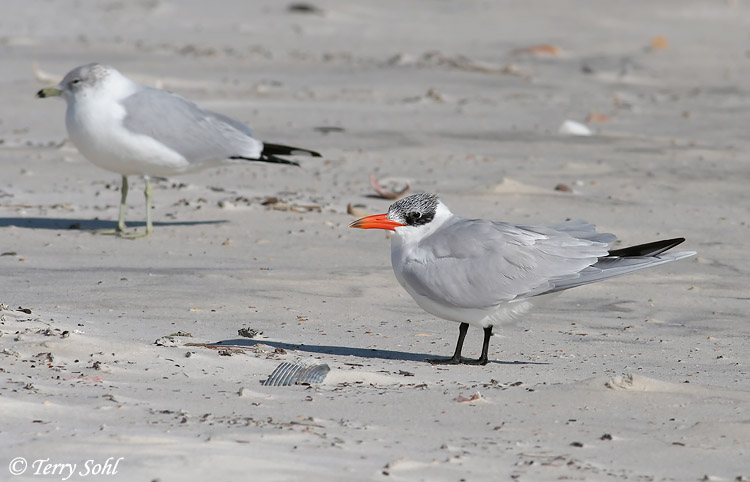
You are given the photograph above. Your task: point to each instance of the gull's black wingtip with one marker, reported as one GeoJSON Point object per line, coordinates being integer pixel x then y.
{"type": "Point", "coordinates": [267, 158]}
{"type": "Point", "coordinates": [648, 249]}
{"type": "Point", "coordinates": [282, 150]}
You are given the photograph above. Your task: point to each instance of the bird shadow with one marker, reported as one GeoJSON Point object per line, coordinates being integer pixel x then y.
{"type": "Point", "coordinates": [350, 351]}
{"type": "Point", "coordinates": [89, 224]}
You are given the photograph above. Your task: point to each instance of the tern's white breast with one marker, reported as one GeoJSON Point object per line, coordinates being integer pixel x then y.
{"type": "Point", "coordinates": [406, 249]}
{"type": "Point", "coordinates": [481, 317]}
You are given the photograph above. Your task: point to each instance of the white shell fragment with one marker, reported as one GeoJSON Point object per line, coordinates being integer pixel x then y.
{"type": "Point", "coordinates": [573, 128]}
{"type": "Point", "coordinates": [297, 373]}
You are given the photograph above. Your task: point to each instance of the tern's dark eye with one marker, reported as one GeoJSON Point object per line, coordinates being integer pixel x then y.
{"type": "Point", "coordinates": [413, 218]}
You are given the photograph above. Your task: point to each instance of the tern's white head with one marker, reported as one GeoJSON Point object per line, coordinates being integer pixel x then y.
{"type": "Point", "coordinates": [416, 215]}
{"type": "Point", "coordinates": [90, 80]}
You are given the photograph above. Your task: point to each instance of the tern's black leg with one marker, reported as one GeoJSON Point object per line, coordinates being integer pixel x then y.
{"type": "Point", "coordinates": [456, 360]}
{"type": "Point", "coordinates": [482, 360]}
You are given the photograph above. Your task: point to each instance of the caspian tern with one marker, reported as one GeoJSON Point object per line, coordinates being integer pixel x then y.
{"type": "Point", "coordinates": [481, 273]}
{"type": "Point", "coordinates": [132, 129]}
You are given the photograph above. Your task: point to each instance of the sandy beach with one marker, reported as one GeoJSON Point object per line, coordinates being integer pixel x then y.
{"type": "Point", "coordinates": [123, 359]}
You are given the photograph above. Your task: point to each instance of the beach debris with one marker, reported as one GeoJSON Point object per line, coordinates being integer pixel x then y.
{"type": "Point", "coordinates": [328, 129]}
{"type": "Point", "coordinates": [659, 42]}
{"type": "Point", "coordinates": [459, 62]}
{"type": "Point", "coordinates": [171, 340]}
{"type": "Point", "coordinates": [573, 128]}
{"type": "Point", "coordinates": [432, 94]}
{"type": "Point", "coordinates": [387, 194]}
{"type": "Point", "coordinates": [277, 204]}
{"type": "Point", "coordinates": [234, 202]}
{"type": "Point", "coordinates": [166, 341]}
{"type": "Point", "coordinates": [563, 188]}
{"type": "Point", "coordinates": [45, 357]}
{"type": "Point", "coordinates": [356, 210]}
{"type": "Point", "coordinates": [511, 186]}
{"type": "Point", "coordinates": [538, 50]}
{"type": "Point", "coordinates": [44, 77]}
{"type": "Point", "coordinates": [477, 397]}
{"type": "Point", "coordinates": [597, 118]}
{"type": "Point", "coordinates": [248, 332]}
{"type": "Point", "coordinates": [304, 7]}
{"type": "Point", "coordinates": [305, 372]}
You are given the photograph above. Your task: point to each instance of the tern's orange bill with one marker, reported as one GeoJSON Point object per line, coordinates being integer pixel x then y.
{"type": "Point", "coordinates": [378, 221]}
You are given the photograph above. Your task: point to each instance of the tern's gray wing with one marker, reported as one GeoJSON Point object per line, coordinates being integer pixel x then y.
{"type": "Point", "coordinates": [578, 228]}
{"type": "Point", "coordinates": [612, 266]}
{"type": "Point", "coordinates": [200, 136]}
{"type": "Point", "coordinates": [480, 264]}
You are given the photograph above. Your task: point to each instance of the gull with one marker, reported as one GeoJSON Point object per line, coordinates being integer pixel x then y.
{"type": "Point", "coordinates": [483, 273]}
{"type": "Point", "coordinates": [133, 129]}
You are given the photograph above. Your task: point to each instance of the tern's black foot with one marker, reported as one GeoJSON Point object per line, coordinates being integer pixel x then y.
{"type": "Point", "coordinates": [478, 361]}
{"type": "Point", "coordinates": [444, 361]}
{"type": "Point", "coordinates": [457, 361]}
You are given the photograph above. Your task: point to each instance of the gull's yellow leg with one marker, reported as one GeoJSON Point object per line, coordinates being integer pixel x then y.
{"type": "Point", "coordinates": [148, 193]}
{"type": "Point", "coordinates": [123, 198]}
{"type": "Point", "coordinates": [121, 218]}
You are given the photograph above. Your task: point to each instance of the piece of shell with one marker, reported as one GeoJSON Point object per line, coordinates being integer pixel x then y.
{"type": "Point", "coordinates": [573, 128]}
{"type": "Point", "coordinates": [544, 49]}
{"type": "Point", "coordinates": [595, 117]}
{"type": "Point", "coordinates": [44, 77]}
{"type": "Point", "coordinates": [297, 373]}
{"type": "Point", "coordinates": [387, 194]}
{"type": "Point", "coordinates": [476, 397]}
{"type": "Point", "coordinates": [350, 209]}
{"type": "Point", "coordinates": [659, 42]}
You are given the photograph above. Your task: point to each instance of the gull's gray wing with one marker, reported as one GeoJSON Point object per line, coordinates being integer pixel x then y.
{"type": "Point", "coordinates": [480, 264]}
{"type": "Point", "coordinates": [199, 135]}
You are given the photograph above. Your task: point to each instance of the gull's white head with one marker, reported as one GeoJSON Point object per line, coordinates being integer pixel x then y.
{"type": "Point", "coordinates": [85, 81]}
{"type": "Point", "coordinates": [418, 214]}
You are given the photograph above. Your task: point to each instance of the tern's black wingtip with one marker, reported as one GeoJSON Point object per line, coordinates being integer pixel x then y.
{"type": "Point", "coordinates": [648, 249]}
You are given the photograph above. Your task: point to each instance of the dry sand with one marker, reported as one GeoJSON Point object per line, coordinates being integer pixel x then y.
{"type": "Point", "coordinates": [640, 378]}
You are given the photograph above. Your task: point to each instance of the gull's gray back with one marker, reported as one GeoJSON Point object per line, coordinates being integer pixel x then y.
{"type": "Point", "coordinates": [199, 135]}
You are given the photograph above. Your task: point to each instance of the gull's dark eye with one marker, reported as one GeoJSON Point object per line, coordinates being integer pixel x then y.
{"type": "Point", "coordinates": [75, 81]}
